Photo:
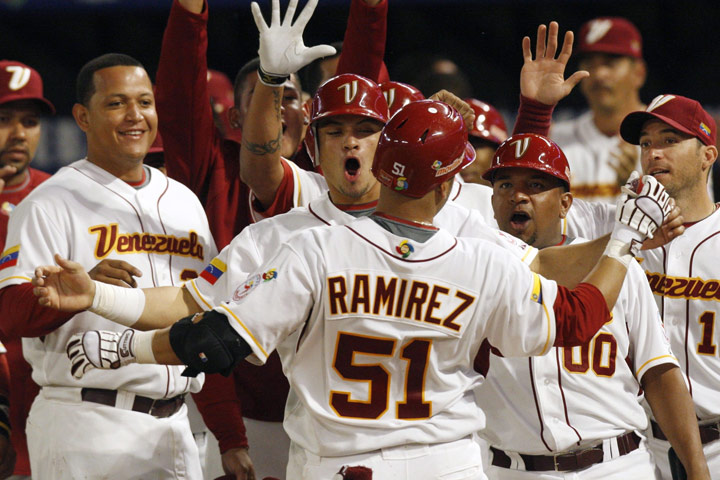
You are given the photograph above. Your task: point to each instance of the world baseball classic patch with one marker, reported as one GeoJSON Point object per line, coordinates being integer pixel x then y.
{"type": "Point", "coordinates": [252, 283]}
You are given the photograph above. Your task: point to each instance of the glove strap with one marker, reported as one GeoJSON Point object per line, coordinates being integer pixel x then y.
{"type": "Point", "coordinates": [271, 79]}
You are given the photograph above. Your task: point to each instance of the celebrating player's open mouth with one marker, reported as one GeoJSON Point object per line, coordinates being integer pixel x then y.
{"type": "Point", "coordinates": [352, 169]}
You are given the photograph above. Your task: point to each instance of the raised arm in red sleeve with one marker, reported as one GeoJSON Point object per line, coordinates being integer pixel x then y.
{"type": "Point", "coordinates": [22, 316]}
{"type": "Point", "coordinates": [364, 43]}
{"type": "Point", "coordinates": [579, 314]}
{"type": "Point", "coordinates": [533, 117]}
{"type": "Point", "coordinates": [195, 152]}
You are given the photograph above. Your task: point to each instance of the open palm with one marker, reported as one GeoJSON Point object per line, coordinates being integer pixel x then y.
{"type": "Point", "coordinates": [65, 286]}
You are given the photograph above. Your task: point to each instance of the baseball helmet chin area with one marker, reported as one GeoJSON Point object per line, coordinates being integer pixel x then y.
{"type": "Point", "coordinates": [424, 144]}
{"type": "Point", "coordinates": [346, 94]}
{"type": "Point", "coordinates": [528, 150]}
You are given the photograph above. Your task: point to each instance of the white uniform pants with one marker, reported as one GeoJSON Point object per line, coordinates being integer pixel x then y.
{"type": "Point", "coordinates": [636, 465]}
{"type": "Point", "coordinates": [458, 460]}
{"type": "Point", "coordinates": [69, 439]}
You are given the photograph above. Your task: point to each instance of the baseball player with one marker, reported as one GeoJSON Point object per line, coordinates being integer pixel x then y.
{"type": "Point", "coordinates": [22, 108]}
{"type": "Point", "coordinates": [677, 139]}
{"type": "Point", "coordinates": [577, 409]}
{"type": "Point", "coordinates": [398, 94]}
{"type": "Point", "coordinates": [439, 411]}
{"type": "Point", "coordinates": [130, 424]}
{"type": "Point", "coordinates": [610, 49]}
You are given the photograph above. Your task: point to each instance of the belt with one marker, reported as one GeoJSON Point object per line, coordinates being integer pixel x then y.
{"type": "Point", "coordinates": [162, 408]}
{"type": "Point", "coordinates": [708, 433]}
{"type": "Point", "coordinates": [567, 462]}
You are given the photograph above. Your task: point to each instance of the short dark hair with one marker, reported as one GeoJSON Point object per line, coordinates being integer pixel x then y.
{"type": "Point", "coordinates": [85, 84]}
{"type": "Point", "coordinates": [251, 66]}
{"type": "Point", "coordinates": [311, 74]}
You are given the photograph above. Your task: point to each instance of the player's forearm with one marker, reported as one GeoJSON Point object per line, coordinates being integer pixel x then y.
{"type": "Point", "coordinates": [163, 351]}
{"type": "Point", "coordinates": [673, 409]}
{"type": "Point", "coordinates": [260, 162]}
{"type": "Point", "coordinates": [553, 262]}
{"type": "Point", "coordinates": [165, 306]}
{"type": "Point", "coordinates": [607, 276]}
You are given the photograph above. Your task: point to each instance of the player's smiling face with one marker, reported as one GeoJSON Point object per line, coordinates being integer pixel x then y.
{"type": "Point", "coordinates": [120, 118]}
{"type": "Point", "coordinates": [529, 205]}
{"type": "Point", "coordinates": [347, 146]}
{"type": "Point", "coordinates": [677, 160]}
{"type": "Point", "coordinates": [19, 134]}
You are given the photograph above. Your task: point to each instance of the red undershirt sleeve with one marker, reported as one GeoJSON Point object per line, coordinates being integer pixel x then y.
{"type": "Point", "coordinates": [364, 43]}
{"type": "Point", "coordinates": [221, 411]}
{"type": "Point", "coordinates": [22, 316]}
{"type": "Point", "coordinates": [533, 117]}
{"type": "Point", "coordinates": [283, 201]}
{"type": "Point", "coordinates": [579, 314]}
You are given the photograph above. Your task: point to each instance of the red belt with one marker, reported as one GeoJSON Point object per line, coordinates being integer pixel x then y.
{"type": "Point", "coordinates": [708, 433]}
{"type": "Point", "coordinates": [567, 462]}
{"type": "Point", "coordinates": [162, 408]}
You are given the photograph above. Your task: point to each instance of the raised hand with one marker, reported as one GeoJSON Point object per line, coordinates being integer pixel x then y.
{"type": "Point", "coordinates": [65, 286]}
{"type": "Point", "coordinates": [99, 349]}
{"type": "Point", "coordinates": [458, 104]}
{"type": "Point", "coordinates": [282, 51]}
{"type": "Point", "coordinates": [543, 78]}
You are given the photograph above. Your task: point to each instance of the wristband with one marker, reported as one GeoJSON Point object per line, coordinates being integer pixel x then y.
{"type": "Point", "coordinates": [142, 347]}
{"type": "Point", "coordinates": [121, 305]}
{"type": "Point", "coordinates": [270, 79]}
{"type": "Point", "coordinates": [619, 250]}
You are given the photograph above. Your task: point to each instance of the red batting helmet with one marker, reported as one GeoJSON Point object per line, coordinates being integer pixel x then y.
{"type": "Point", "coordinates": [489, 124]}
{"type": "Point", "coordinates": [528, 150]}
{"type": "Point", "coordinates": [423, 145]}
{"type": "Point", "coordinates": [399, 94]}
{"type": "Point", "coordinates": [346, 94]}
{"type": "Point", "coordinates": [20, 82]}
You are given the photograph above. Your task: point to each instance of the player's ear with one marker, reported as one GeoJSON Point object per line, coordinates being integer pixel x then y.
{"type": "Point", "coordinates": [234, 116]}
{"type": "Point", "coordinates": [640, 69]}
{"type": "Point", "coordinates": [566, 200]}
{"type": "Point", "coordinates": [81, 115]}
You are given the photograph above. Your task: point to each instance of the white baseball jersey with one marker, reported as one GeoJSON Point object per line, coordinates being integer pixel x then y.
{"type": "Point", "coordinates": [307, 186]}
{"type": "Point", "coordinates": [387, 331]}
{"type": "Point", "coordinates": [572, 398]}
{"type": "Point", "coordinates": [260, 241]}
{"type": "Point", "coordinates": [589, 219]}
{"type": "Point", "coordinates": [86, 214]}
{"type": "Point", "coordinates": [589, 153]}
{"type": "Point", "coordinates": [475, 197]}
{"type": "Point", "coordinates": [684, 275]}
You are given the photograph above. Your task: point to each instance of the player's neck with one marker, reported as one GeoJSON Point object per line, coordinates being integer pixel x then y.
{"type": "Point", "coordinates": [695, 205]}
{"type": "Point", "coordinates": [416, 210]}
{"type": "Point", "coordinates": [608, 120]}
{"type": "Point", "coordinates": [17, 179]}
{"type": "Point", "coordinates": [127, 170]}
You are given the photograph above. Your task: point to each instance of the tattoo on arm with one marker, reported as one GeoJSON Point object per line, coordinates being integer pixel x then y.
{"type": "Point", "coordinates": [266, 148]}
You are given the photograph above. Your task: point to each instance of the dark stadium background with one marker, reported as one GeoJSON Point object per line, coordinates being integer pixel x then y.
{"type": "Point", "coordinates": [681, 43]}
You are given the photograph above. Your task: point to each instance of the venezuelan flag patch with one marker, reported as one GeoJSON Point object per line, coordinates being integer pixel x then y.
{"type": "Point", "coordinates": [9, 257]}
{"type": "Point", "coordinates": [213, 271]}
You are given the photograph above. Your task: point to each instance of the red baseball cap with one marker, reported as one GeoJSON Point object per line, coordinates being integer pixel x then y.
{"type": "Point", "coordinates": [20, 82]}
{"type": "Point", "coordinates": [681, 113]}
{"type": "Point", "coordinates": [614, 35]}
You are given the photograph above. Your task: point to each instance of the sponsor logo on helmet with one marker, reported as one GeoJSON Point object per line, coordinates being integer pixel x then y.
{"type": "Point", "coordinates": [401, 184]}
{"type": "Point", "coordinates": [405, 249]}
{"type": "Point", "coordinates": [440, 170]}
{"type": "Point", "coordinates": [351, 89]}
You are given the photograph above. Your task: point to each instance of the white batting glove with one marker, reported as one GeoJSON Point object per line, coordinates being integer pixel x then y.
{"type": "Point", "coordinates": [641, 209]}
{"type": "Point", "coordinates": [282, 51]}
{"type": "Point", "coordinates": [100, 349]}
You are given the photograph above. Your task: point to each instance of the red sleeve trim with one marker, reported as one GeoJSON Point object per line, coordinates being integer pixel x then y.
{"type": "Point", "coordinates": [579, 314]}
{"type": "Point", "coordinates": [22, 316]}
{"type": "Point", "coordinates": [284, 195]}
{"type": "Point", "coordinates": [221, 411]}
{"type": "Point", "coordinates": [533, 117]}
